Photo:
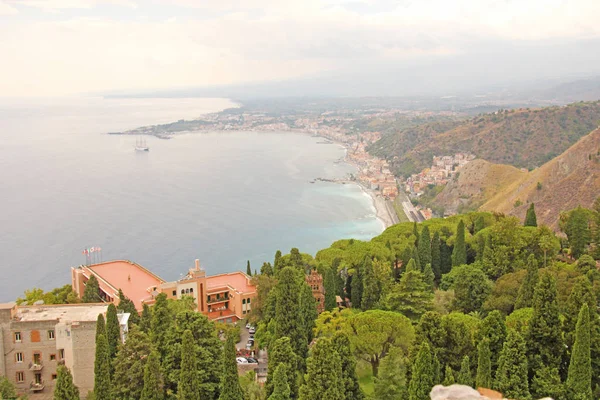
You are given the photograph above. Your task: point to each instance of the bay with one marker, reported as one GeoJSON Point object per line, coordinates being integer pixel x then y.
{"type": "Point", "coordinates": [222, 197]}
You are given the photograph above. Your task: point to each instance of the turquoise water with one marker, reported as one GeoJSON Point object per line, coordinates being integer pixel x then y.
{"type": "Point", "coordinates": [221, 197]}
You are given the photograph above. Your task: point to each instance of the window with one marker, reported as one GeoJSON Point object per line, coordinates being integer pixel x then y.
{"type": "Point", "coordinates": [243, 301]}
{"type": "Point", "coordinates": [54, 376]}
{"type": "Point", "coordinates": [51, 334]}
{"type": "Point", "coordinates": [174, 292]}
{"type": "Point", "coordinates": [61, 354]}
{"type": "Point", "coordinates": [191, 290]}
{"type": "Point", "coordinates": [244, 312]}
{"type": "Point", "coordinates": [20, 376]}
{"type": "Point", "coordinates": [18, 337]}
{"type": "Point", "coordinates": [248, 301]}
{"type": "Point", "coordinates": [187, 291]}
{"type": "Point", "coordinates": [19, 357]}
{"type": "Point", "coordinates": [52, 357]}
{"type": "Point", "coordinates": [182, 291]}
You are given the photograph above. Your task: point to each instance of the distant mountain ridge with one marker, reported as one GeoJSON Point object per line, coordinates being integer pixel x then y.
{"type": "Point", "coordinates": [524, 138]}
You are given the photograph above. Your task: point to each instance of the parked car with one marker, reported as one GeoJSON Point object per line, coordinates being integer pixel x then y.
{"type": "Point", "coordinates": [249, 346]}
{"type": "Point", "coordinates": [252, 360]}
{"type": "Point", "coordinates": [241, 360]}
{"type": "Point", "coordinates": [248, 325]}
{"type": "Point", "coordinates": [252, 330]}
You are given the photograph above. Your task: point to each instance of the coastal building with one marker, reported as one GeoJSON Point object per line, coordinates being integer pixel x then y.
{"type": "Point", "coordinates": [225, 297]}
{"type": "Point", "coordinates": [315, 281]}
{"type": "Point", "coordinates": [35, 340]}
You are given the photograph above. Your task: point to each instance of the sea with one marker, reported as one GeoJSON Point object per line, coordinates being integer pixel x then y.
{"type": "Point", "coordinates": [221, 197]}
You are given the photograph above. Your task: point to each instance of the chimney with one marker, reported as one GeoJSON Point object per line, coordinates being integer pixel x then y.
{"type": "Point", "coordinates": [197, 264]}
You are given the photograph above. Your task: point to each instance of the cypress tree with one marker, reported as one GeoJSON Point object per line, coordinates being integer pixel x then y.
{"type": "Point", "coordinates": [465, 377]}
{"type": "Point", "coordinates": [546, 382]}
{"type": "Point", "coordinates": [64, 388]}
{"type": "Point", "coordinates": [424, 248]}
{"type": "Point", "coordinates": [479, 224]}
{"type": "Point", "coordinates": [351, 387]}
{"type": "Point", "coordinates": [448, 377]}
{"type": "Point", "coordinates": [423, 375]}
{"type": "Point", "coordinates": [357, 288]}
{"type": "Point", "coordinates": [411, 266]}
{"type": "Point", "coordinates": [129, 364]}
{"type": "Point", "coordinates": [91, 293]}
{"type": "Point", "coordinates": [371, 290]}
{"type": "Point", "coordinates": [415, 256]}
{"type": "Point", "coordinates": [296, 259]}
{"type": "Point", "coordinates": [411, 296]}
{"type": "Point", "coordinates": [493, 328]}
{"type": "Point", "coordinates": [579, 380]}
{"type": "Point", "coordinates": [102, 387]}
{"type": "Point", "coordinates": [530, 218]}
{"type": "Point", "coordinates": [281, 353]}
{"type": "Point", "coordinates": [436, 261]}
{"type": "Point", "coordinates": [459, 253]}
{"type": "Point", "coordinates": [277, 262]}
{"type": "Point", "coordinates": [578, 231]}
{"type": "Point", "coordinates": [230, 383]}
{"type": "Point", "coordinates": [281, 388]}
{"type": "Point", "coordinates": [100, 327]}
{"type": "Point", "coordinates": [484, 365]}
{"type": "Point", "coordinates": [544, 341]}
{"type": "Point", "coordinates": [248, 269]}
{"type": "Point", "coordinates": [289, 319]}
{"type": "Point", "coordinates": [161, 322]}
{"type": "Point", "coordinates": [390, 383]}
{"type": "Point", "coordinates": [330, 293]}
{"type": "Point", "coordinates": [511, 376]}
{"type": "Point", "coordinates": [445, 257]}
{"type": "Point", "coordinates": [113, 331]}
{"type": "Point", "coordinates": [308, 312]}
{"type": "Point", "coordinates": [187, 387]}
{"type": "Point", "coordinates": [429, 276]}
{"type": "Point", "coordinates": [266, 269]}
{"type": "Point", "coordinates": [146, 319]}
{"type": "Point", "coordinates": [527, 289]}
{"type": "Point", "coordinates": [153, 381]}
{"type": "Point", "coordinates": [416, 234]}
{"type": "Point", "coordinates": [323, 378]}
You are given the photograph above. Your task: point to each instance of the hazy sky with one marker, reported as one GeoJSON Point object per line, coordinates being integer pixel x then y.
{"type": "Point", "coordinates": [59, 47]}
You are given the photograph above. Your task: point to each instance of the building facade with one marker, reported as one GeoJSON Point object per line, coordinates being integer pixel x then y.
{"type": "Point", "coordinates": [315, 281]}
{"type": "Point", "coordinates": [35, 340]}
{"type": "Point", "coordinates": [225, 297]}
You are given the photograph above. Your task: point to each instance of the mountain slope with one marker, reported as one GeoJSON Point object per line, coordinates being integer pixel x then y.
{"type": "Point", "coordinates": [524, 138]}
{"type": "Point", "coordinates": [569, 180]}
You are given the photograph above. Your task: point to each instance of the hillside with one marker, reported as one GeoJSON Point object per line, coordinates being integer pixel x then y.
{"type": "Point", "coordinates": [523, 138]}
{"type": "Point", "coordinates": [569, 180]}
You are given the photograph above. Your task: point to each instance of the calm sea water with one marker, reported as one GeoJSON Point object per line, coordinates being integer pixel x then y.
{"type": "Point", "coordinates": [221, 197]}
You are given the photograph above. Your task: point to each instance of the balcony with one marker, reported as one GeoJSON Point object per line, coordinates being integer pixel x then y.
{"type": "Point", "coordinates": [217, 300]}
{"type": "Point", "coordinates": [36, 386]}
{"type": "Point", "coordinates": [36, 366]}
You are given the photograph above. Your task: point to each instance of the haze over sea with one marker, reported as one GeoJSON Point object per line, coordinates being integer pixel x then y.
{"type": "Point", "coordinates": [223, 197]}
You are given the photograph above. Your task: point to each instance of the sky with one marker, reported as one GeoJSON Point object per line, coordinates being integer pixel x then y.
{"type": "Point", "coordinates": [67, 47]}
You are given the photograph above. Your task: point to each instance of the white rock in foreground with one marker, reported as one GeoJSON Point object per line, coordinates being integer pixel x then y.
{"type": "Point", "coordinates": [459, 392]}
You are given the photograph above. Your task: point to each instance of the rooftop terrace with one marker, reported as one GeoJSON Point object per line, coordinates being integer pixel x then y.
{"type": "Point", "coordinates": [63, 312]}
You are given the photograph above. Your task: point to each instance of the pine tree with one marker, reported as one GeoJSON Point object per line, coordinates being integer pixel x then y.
{"type": "Point", "coordinates": [308, 312]}
{"type": "Point", "coordinates": [415, 256]}
{"type": "Point", "coordinates": [416, 234]}
{"type": "Point", "coordinates": [544, 340]}
{"type": "Point", "coordinates": [411, 296]}
{"type": "Point", "coordinates": [579, 380]}
{"type": "Point", "coordinates": [266, 269]}
{"type": "Point", "coordinates": [436, 261]}
{"type": "Point", "coordinates": [230, 383]}
{"type": "Point", "coordinates": [530, 218]}
{"type": "Point", "coordinates": [511, 376]}
{"type": "Point", "coordinates": [424, 248]}
{"type": "Point", "coordinates": [371, 285]}
{"type": "Point", "coordinates": [296, 259]}
{"type": "Point", "coordinates": [64, 388]}
{"type": "Point", "coordinates": [341, 344]}
{"type": "Point", "coordinates": [493, 328]}
{"type": "Point", "coordinates": [448, 377]}
{"type": "Point", "coordinates": [411, 266]}
{"type": "Point", "coordinates": [281, 388]}
{"type": "Point", "coordinates": [100, 327]}
{"type": "Point", "coordinates": [126, 305]}
{"type": "Point", "coordinates": [129, 365]}
{"type": "Point", "coordinates": [277, 262]}
{"type": "Point", "coordinates": [329, 285]}
{"type": "Point", "coordinates": [484, 365]}
{"type": "Point", "coordinates": [390, 383]}
{"type": "Point", "coordinates": [281, 353]}
{"type": "Point", "coordinates": [527, 289]}
{"type": "Point", "coordinates": [479, 224]}
{"type": "Point", "coordinates": [422, 379]}
{"type": "Point", "coordinates": [546, 382]}
{"type": "Point", "coordinates": [459, 253]}
{"type": "Point", "coordinates": [578, 231]}
{"type": "Point", "coordinates": [153, 381]}
{"type": "Point", "coordinates": [429, 276]}
{"type": "Point", "coordinates": [146, 319]}
{"type": "Point", "coordinates": [248, 269]}
{"type": "Point", "coordinates": [465, 377]}
{"type": "Point", "coordinates": [323, 378]}
{"type": "Point", "coordinates": [357, 288]}
{"type": "Point", "coordinates": [445, 257]}
{"type": "Point", "coordinates": [113, 331]}
{"type": "Point", "coordinates": [102, 387]}
{"type": "Point", "coordinates": [161, 322]}
{"type": "Point", "coordinates": [187, 387]}
{"type": "Point", "coordinates": [91, 294]}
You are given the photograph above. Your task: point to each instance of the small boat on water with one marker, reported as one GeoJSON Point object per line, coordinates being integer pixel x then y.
{"type": "Point", "coordinates": [140, 145]}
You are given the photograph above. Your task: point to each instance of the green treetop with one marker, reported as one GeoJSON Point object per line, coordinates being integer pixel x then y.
{"type": "Point", "coordinates": [459, 253]}
{"type": "Point", "coordinates": [493, 328]}
{"type": "Point", "coordinates": [126, 305]}
{"type": "Point", "coordinates": [484, 365]}
{"type": "Point", "coordinates": [281, 387]}
{"type": "Point", "coordinates": [162, 319]}
{"type": "Point", "coordinates": [64, 388]}
{"type": "Point", "coordinates": [479, 224]}
{"type": "Point", "coordinates": [356, 286]}
{"type": "Point", "coordinates": [330, 293]}
{"type": "Point", "coordinates": [187, 387]}
{"type": "Point", "coordinates": [230, 383]}
{"type": "Point", "coordinates": [351, 388]}
{"type": "Point", "coordinates": [323, 378]}
{"type": "Point", "coordinates": [113, 331]}
{"type": "Point", "coordinates": [530, 218]}
{"type": "Point", "coordinates": [153, 381]}
{"type": "Point", "coordinates": [129, 365]}
{"type": "Point", "coordinates": [424, 248]}
{"type": "Point", "coordinates": [91, 294]}
{"type": "Point", "coordinates": [277, 262]}
{"type": "Point", "coordinates": [248, 269]}
{"type": "Point", "coordinates": [429, 276]}
{"type": "Point", "coordinates": [146, 319]}
{"type": "Point", "coordinates": [579, 380]}
{"type": "Point", "coordinates": [102, 387]}
{"type": "Point", "coordinates": [281, 353]}
{"type": "Point", "coordinates": [511, 376]}
{"type": "Point", "coordinates": [448, 376]}
{"type": "Point", "coordinates": [527, 289]}
{"type": "Point", "coordinates": [578, 231]}
{"type": "Point", "coordinates": [391, 382]}
{"type": "Point", "coordinates": [371, 290]}
{"type": "Point", "coordinates": [465, 377]}
{"type": "Point", "coordinates": [436, 261]}
{"type": "Point", "coordinates": [423, 375]}
{"type": "Point", "coordinates": [296, 259]}
{"type": "Point", "coordinates": [308, 311]}
{"type": "Point", "coordinates": [100, 327]}
{"type": "Point", "coordinates": [411, 296]}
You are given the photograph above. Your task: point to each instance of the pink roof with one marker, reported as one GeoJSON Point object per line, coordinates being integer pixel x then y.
{"type": "Point", "coordinates": [237, 280]}
{"type": "Point", "coordinates": [133, 279]}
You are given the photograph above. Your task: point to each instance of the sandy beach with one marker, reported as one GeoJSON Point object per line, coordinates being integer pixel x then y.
{"type": "Point", "coordinates": [384, 210]}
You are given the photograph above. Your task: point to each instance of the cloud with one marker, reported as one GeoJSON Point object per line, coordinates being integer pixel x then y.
{"type": "Point", "coordinates": [6, 9]}
{"type": "Point", "coordinates": [53, 5]}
